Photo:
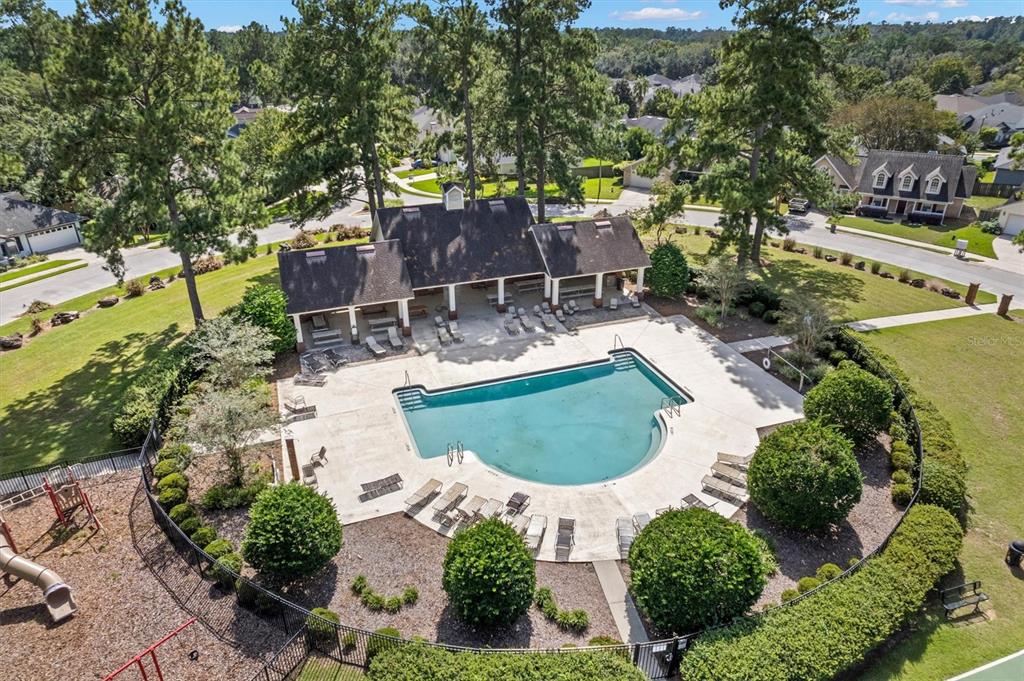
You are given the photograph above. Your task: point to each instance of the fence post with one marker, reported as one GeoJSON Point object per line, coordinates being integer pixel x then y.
{"type": "Point", "coordinates": [674, 658]}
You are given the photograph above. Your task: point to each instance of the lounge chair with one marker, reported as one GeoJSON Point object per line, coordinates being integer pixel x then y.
{"type": "Point", "coordinates": [305, 378]}
{"type": "Point", "coordinates": [548, 321]}
{"type": "Point", "coordinates": [729, 473]}
{"type": "Point", "coordinates": [724, 490]}
{"type": "Point", "coordinates": [517, 503]}
{"type": "Point", "coordinates": [522, 312]}
{"type": "Point", "coordinates": [613, 304]}
{"type": "Point", "coordinates": [468, 511]}
{"type": "Point", "coordinates": [735, 460]}
{"type": "Point", "coordinates": [546, 307]}
{"type": "Point", "coordinates": [421, 496]}
{"type": "Point", "coordinates": [308, 475]}
{"type": "Point", "coordinates": [535, 532]}
{"type": "Point", "coordinates": [491, 509]}
{"type": "Point", "coordinates": [312, 363]}
{"type": "Point", "coordinates": [641, 520]}
{"type": "Point", "coordinates": [537, 311]}
{"type": "Point", "coordinates": [298, 409]}
{"type": "Point", "coordinates": [527, 323]}
{"type": "Point", "coordinates": [519, 523]}
{"type": "Point", "coordinates": [377, 488]}
{"type": "Point", "coordinates": [565, 539]}
{"type": "Point", "coordinates": [319, 322]}
{"type": "Point", "coordinates": [634, 301]}
{"type": "Point", "coordinates": [438, 320]}
{"type": "Point", "coordinates": [452, 496]}
{"type": "Point", "coordinates": [693, 501]}
{"type": "Point", "coordinates": [376, 348]}
{"type": "Point", "coordinates": [510, 324]}
{"type": "Point", "coordinates": [334, 359]}
{"type": "Point", "coordinates": [395, 340]}
{"type": "Point", "coordinates": [453, 328]}
{"type": "Point", "coordinates": [443, 336]}
{"type": "Point", "coordinates": [319, 457]}
{"type": "Point", "coordinates": [559, 315]}
{"type": "Point", "coordinates": [625, 533]}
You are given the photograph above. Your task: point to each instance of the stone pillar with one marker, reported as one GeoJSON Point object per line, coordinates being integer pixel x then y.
{"type": "Point", "coordinates": [554, 294]}
{"type": "Point", "coordinates": [452, 312]}
{"type": "Point", "coordinates": [403, 313]}
{"type": "Point", "coordinates": [599, 289]}
{"type": "Point", "coordinates": [353, 326]}
{"type": "Point", "coordinates": [547, 289]}
{"type": "Point", "coordinates": [300, 343]}
{"type": "Point", "coordinates": [972, 293]}
{"type": "Point", "coordinates": [293, 459]}
{"type": "Point", "coordinates": [502, 307]}
{"type": "Point", "coordinates": [1004, 305]}
{"type": "Point", "coordinates": [640, 283]}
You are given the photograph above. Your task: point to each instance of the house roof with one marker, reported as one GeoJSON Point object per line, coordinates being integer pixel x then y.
{"type": "Point", "coordinates": [850, 174]}
{"type": "Point", "coordinates": [958, 176]}
{"type": "Point", "coordinates": [341, 276]}
{"type": "Point", "coordinates": [652, 124]}
{"type": "Point", "coordinates": [1004, 161]}
{"type": "Point", "coordinates": [958, 104]}
{"type": "Point", "coordinates": [571, 249]}
{"type": "Point", "coordinates": [18, 216]}
{"type": "Point", "coordinates": [993, 116]}
{"type": "Point", "coordinates": [487, 239]}
{"type": "Point", "coordinates": [428, 121]}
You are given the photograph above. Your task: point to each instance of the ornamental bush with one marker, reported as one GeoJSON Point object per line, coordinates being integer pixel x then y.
{"type": "Point", "coordinates": [805, 584]}
{"type": "Point", "coordinates": [856, 401]}
{"type": "Point", "coordinates": [669, 273]}
{"type": "Point", "coordinates": [203, 536]}
{"type": "Point", "coordinates": [943, 486]}
{"type": "Point", "coordinates": [173, 480]}
{"type": "Point", "coordinates": [165, 467]}
{"type": "Point", "coordinates": [318, 625]}
{"type": "Point", "coordinates": [226, 569]}
{"type": "Point", "coordinates": [693, 568]}
{"type": "Point", "coordinates": [218, 548]}
{"type": "Point", "coordinates": [426, 663]}
{"type": "Point", "coordinates": [379, 644]}
{"type": "Point", "coordinates": [292, 532]}
{"type": "Point", "coordinates": [264, 306]}
{"type": "Point", "coordinates": [804, 475]}
{"type": "Point", "coordinates": [181, 511]}
{"type": "Point", "coordinates": [489, 575]}
{"type": "Point", "coordinates": [828, 571]}
{"type": "Point", "coordinates": [171, 497]}
{"type": "Point", "coordinates": [858, 612]}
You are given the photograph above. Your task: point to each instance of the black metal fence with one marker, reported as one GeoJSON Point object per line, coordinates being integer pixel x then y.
{"type": "Point", "coordinates": [86, 467]}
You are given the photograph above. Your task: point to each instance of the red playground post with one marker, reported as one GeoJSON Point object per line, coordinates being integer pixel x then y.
{"type": "Point", "coordinates": [151, 653]}
{"type": "Point", "coordinates": [67, 496]}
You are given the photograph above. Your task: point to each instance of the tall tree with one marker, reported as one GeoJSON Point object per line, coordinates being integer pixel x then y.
{"type": "Point", "coordinates": [152, 110]}
{"type": "Point", "coordinates": [456, 32]}
{"type": "Point", "coordinates": [255, 52]}
{"type": "Point", "coordinates": [512, 17]}
{"type": "Point", "coordinates": [339, 53]}
{"type": "Point", "coordinates": [884, 122]}
{"type": "Point", "coordinates": [765, 119]}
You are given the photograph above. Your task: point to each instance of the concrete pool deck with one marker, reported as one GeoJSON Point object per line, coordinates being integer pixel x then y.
{"type": "Point", "coordinates": [366, 438]}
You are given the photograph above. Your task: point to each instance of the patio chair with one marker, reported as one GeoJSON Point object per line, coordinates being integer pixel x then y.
{"type": "Point", "coordinates": [297, 407]}
{"type": "Point", "coordinates": [522, 312]}
{"type": "Point", "coordinates": [492, 509]}
{"type": "Point", "coordinates": [308, 475]}
{"type": "Point", "coordinates": [546, 307]}
{"type": "Point", "coordinates": [452, 496]}
{"type": "Point", "coordinates": [319, 457]}
{"type": "Point", "coordinates": [377, 488]}
{"type": "Point", "coordinates": [641, 520]}
{"type": "Point", "coordinates": [724, 490]}
{"type": "Point", "coordinates": [395, 339]}
{"type": "Point", "coordinates": [693, 501]}
{"type": "Point", "coordinates": [565, 539]}
{"type": "Point", "coordinates": [517, 503]}
{"type": "Point", "coordinates": [421, 496]}
{"type": "Point", "coordinates": [613, 304]}
{"type": "Point", "coordinates": [625, 533]}
{"type": "Point", "coordinates": [527, 323]}
{"type": "Point", "coordinates": [335, 359]}
{"type": "Point", "coordinates": [375, 347]}
{"type": "Point", "coordinates": [319, 322]}
{"type": "Point", "coordinates": [510, 324]}
{"type": "Point", "coordinates": [559, 315]}
{"type": "Point", "coordinates": [634, 301]}
{"type": "Point", "coordinates": [735, 460]}
{"type": "Point", "coordinates": [537, 311]}
{"type": "Point", "coordinates": [312, 363]}
{"type": "Point", "coordinates": [548, 321]}
{"type": "Point", "coordinates": [729, 473]}
{"type": "Point", "coordinates": [535, 532]}
{"type": "Point", "coordinates": [469, 510]}
{"type": "Point", "coordinates": [305, 378]}
{"type": "Point", "coordinates": [438, 320]}
{"type": "Point", "coordinates": [519, 523]}
{"type": "Point", "coordinates": [444, 336]}
{"type": "Point", "coordinates": [453, 328]}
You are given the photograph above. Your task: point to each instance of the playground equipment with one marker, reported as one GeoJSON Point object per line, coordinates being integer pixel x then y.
{"type": "Point", "coordinates": [150, 652]}
{"type": "Point", "coordinates": [59, 599]}
{"type": "Point", "coordinates": [67, 496]}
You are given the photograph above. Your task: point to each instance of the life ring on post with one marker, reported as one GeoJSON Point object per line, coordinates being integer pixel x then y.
{"type": "Point", "coordinates": [766, 363]}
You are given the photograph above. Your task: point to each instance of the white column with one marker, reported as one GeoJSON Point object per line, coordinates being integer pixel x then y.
{"type": "Point", "coordinates": [599, 289]}
{"type": "Point", "coordinates": [403, 312]}
{"type": "Point", "coordinates": [299, 344]}
{"type": "Point", "coordinates": [501, 294]}
{"type": "Point", "coordinates": [554, 293]}
{"type": "Point", "coordinates": [547, 287]}
{"type": "Point", "coordinates": [352, 324]}
{"type": "Point", "coordinates": [640, 281]}
{"type": "Point", "coordinates": [452, 312]}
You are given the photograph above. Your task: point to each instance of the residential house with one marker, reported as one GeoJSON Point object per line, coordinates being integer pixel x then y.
{"type": "Point", "coordinates": [844, 176]}
{"type": "Point", "coordinates": [453, 247]}
{"type": "Point", "coordinates": [900, 183]}
{"type": "Point", "coordinates": [1011, 217]}
{"type": "Point", "coordinates": [1005, 118]}
{"type": "Point", "coordinates": [631, 176]}
{"type": "Point", "coordinates": [28, 228]}
{"type": "Point", "coordinates": [428, 122]}
{"type": "Point", "coordinates": [1008, 171]}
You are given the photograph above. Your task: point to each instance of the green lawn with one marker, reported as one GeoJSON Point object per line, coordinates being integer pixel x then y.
{"type": "Point", "coordinates": [852, 294]}
{"type": "Point", "coordinates": [413, 172]}
{"type": "Point", "coordinates": [988, 177]}
{"type": "Point", "coordinates": [971, 369]}
{"type": "Point", "coordinates": [985, 202]}
{"type": "Point", "coordinates": [939, 235]}
{"type": "Point", "coordinates": [33, 269]}
{"type": "Point", "coordinates": [318, 669]}
{"type": "Point", "coordinates": [611, 187]}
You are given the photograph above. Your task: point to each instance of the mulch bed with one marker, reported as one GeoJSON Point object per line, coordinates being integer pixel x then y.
{"type": "Point", "coordinates": [394, 551]}
{"type": "Point", "coordinates": [122, 608]}
{"type": "Point", "coordinates": [736, 327]}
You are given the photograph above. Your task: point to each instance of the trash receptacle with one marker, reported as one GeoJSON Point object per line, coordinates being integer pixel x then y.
{"type": "Point", "coordinates": [1015, 553]}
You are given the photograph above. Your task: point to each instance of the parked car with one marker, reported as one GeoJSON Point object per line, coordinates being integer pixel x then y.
{"type": "Point", "coordinates": [418, 163]}
{"type": "Point", "coordinates": [799, 205]}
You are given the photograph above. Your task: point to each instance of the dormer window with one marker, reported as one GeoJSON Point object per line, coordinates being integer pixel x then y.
{"type": "Point", "coordinates": [879, 180]}
{"type": "Point", "coordinates": [906, 183]}
{"type": "Point", "coordinates": [934, 184]}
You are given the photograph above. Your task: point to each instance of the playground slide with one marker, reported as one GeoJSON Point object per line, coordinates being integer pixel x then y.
{"type": "Point", "coordinates": [59, 600]}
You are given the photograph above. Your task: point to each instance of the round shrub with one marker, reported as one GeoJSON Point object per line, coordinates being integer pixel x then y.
{"type": "Point", "coordinates": [489, 575]}
{"type": "Point", "coordinates": [772, 316]}
{"type": "Point", "coordinates": [189, 525]}
{"type": "Point", "coordinates": [897, 426]}
{"type": "Point", "coordinates": [673, 559]}
{"type": "Point", "coordinates": [669, 272]}
{"type": "Point", "coordinates": [181, 511]}
{"type": "Point", "coordinates": [319, 623]}
{"type": "Point", "coordinates": [245, 593]}
{"type": "Point", "coordinates": [804, 475]}
{"type": "Point", "coordinates": [828, 571]}
{"type": "Point", "coordinates": [928, 538]}
{"type": "Point", "coordinates": [410, 595]}
{"type": "Point", "coordinates": [171, 497]}
{"type": "Point", "coordinates": [902, 493]}
{"type": "Point", "coordinates": [756, 308]}
{"type": "Point", "coordinates": [805, 584]}
{"type": "Point", "coordinates": [172, 452]}
{"type": "Point", "coordinates": [856, 401]}
{"type": "Point", "coordinates": [164, 468]}
{"type": "Point", "coordinates": [292, 532]}
{"type": "Point", "coordinates": [900, 477]}
{"type": "Point", "coordinates": [226, 569]}
{"type": "Point", "coordinates": [176, 480]}
{"type": "Point", "coordinates": [943, 486]}
{"type": "Point", "coordinates": [837, 357]}
{"type": "Point", "coordinates": [264, 306]}
{"type": "Point", "coordinates": [378, 644]}
{"type": "Point", "coordinates": [203, 536]}
{"type": "Point", "coordinates": [789, 594]}
{"type": "Point", "coordinates": [901, 457]}
{"type": "Point", "coordinates": [218, 548]}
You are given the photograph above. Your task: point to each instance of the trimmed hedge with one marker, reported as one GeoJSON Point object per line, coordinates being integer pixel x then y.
{"type": "Point", "coordinates": [669, 273]}
{"type": "Point", "coordinates": [833, 629]}
{"type": "Point", "coordinates": [264, 305]}
{"type": "Point", "coordinates": [943, 486]}
{"type": "Point", "coordinates": [423, 663]}
{"type": "Point", "coordinates": [152, 394]}
{"type": "Point", "coordinates": [856, 401]}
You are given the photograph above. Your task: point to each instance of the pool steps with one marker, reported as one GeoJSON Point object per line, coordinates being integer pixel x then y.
{"type": "Point", "coordinates": [411, 400]}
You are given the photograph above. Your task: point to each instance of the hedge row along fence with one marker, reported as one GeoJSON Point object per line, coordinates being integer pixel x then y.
{"type": "Point", "coordinates": [815, 636]}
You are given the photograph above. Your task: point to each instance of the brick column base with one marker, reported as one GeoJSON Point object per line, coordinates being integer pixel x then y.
{"type": "Point", "coordinates": [406, 331]}
{"type": "Point", "coordinates": [453, 314]}
{"type": "Point", "coordinates": [598, 302]}
{"type": "Point", "coordinates": [502, 307]}
{"type": "Point", "coordinates": [300, 347]}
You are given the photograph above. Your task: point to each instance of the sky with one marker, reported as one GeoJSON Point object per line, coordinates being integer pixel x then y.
{"type": "Point", "coordinates": [230, 15]}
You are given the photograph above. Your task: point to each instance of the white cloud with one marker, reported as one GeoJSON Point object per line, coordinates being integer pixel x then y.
{"type": "Point", "coordinates": [927, 3]}
{"type": "Point", "coordinates": [658, 14]}
{"type": "Point", "coordinates": [971, 17]}
{"type": "Point", "coordinates": [228, 29]}
{"type": "Point", "coordinates": [899, 18]}
{"type": "Point", "coordinates": [954, 3]}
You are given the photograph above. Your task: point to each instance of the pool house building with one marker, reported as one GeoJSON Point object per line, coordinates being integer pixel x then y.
{"type": "Point", "coordinates": [443, 258]}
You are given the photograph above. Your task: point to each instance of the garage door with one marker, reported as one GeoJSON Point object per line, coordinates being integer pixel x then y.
{"type": "Point", "coordinates": [1014, 224]}
{"type": "Point", "coordinates": [54, 239]}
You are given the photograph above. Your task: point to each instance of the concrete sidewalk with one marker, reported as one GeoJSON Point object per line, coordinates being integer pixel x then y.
{"type": "Point", "coordinates": [624, 612]}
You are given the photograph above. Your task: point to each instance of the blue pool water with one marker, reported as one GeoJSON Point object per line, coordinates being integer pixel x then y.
{"type": "Point", "coordinates": [569, 427]}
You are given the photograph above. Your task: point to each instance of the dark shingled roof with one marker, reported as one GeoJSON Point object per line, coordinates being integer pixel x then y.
{"type": "Point", "coordinates": [18, 216]}
{"type": "Point", "coordinates": [341, 276]}
{"type": "Point", "coordinates": [487, 239]}
{"type": "Point", "coordinates": [847, 172]}
{"type": "Point", "coordinates": [957, 177]}
{"type": "Point", "coordinates": [590, 247]}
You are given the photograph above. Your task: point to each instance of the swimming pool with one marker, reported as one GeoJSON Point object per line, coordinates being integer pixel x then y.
{"type": "Point", "coordinates": [572, 426]}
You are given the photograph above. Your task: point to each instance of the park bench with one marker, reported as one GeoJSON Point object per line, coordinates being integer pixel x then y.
{"type": "Point", "coordinates": [963, 596]}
